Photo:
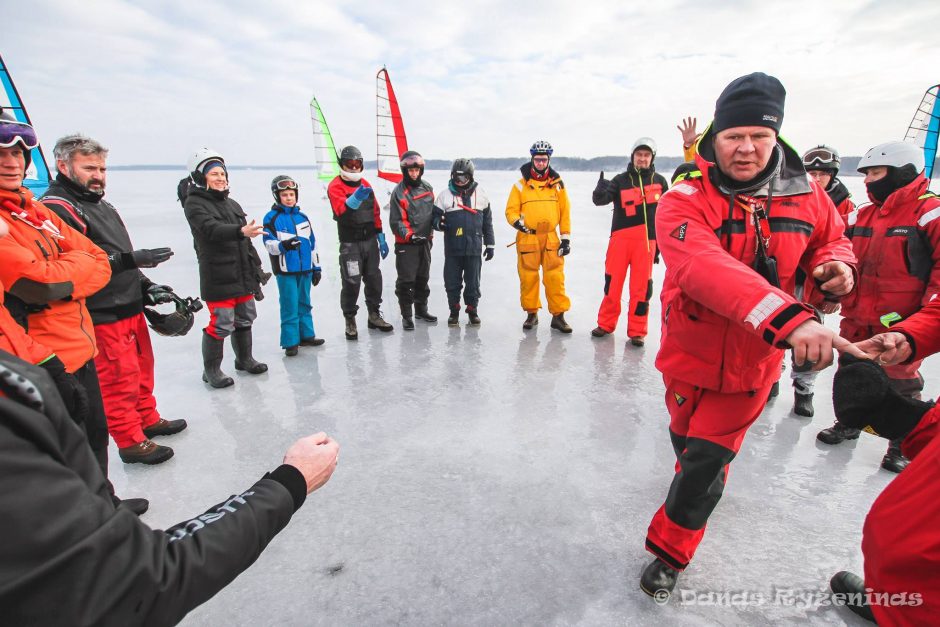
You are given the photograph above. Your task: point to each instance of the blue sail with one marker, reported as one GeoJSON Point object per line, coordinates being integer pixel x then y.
{"type": "Point", "coordinates": [924, 129]}
{"type": "Point", "coordinates": [37, 175]}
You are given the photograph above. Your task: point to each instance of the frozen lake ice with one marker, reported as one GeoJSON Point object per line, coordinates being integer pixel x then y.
{"type": "Point", "coordinates": [487, 476]}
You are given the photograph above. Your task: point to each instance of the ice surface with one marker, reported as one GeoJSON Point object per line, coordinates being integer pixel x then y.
{"type": "Point", "coordinates": [487, 476]}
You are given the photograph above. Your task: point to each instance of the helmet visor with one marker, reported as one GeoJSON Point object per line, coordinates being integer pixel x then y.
{"type": "Point", "coordinates": [12, 132]}
{"type": "Point", "coordinates": [461, 179]}
{"type": "Point", "coordinates": [351, 165]}
{"type": "Point", "coordinates": [412, 161]}
{"type": "Point", "coordinates": [820, 159]}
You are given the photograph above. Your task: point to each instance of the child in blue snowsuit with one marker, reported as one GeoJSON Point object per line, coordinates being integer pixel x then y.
{"type": "Point", "coordinates": [289, 240]}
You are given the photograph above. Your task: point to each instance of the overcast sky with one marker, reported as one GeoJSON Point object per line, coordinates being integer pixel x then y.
{"type": "Point", "coordinates": [155, 80]}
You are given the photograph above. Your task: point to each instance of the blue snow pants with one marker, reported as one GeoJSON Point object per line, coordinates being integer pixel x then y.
{"type": "Point", "coordinates": [294, 297]}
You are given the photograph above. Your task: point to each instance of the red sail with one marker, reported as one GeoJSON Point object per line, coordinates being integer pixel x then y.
{"type": "Point", "coordinates": [390, 134]}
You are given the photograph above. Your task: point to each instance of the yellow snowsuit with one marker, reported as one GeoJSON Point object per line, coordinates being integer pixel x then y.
{"type": "Point", "coordinates": [542, 206]}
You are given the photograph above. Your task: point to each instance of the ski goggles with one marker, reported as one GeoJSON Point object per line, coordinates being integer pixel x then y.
{"type": "Point", "coordinates": [461, 178]}
{"type": "Point", "coordinates": [820, 159]}
{"type": "Point", "coordinates": [12, 132]}
{"type": "Point", "coordinates": [286, 184]}
{"type": "Point", "coordinates": [412, 161]}
{"type": "Point", "coordinates": [351, 165]}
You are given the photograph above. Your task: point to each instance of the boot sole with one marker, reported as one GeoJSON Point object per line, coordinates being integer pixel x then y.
{"type": "Point", "coordinates": [157, 434]}
{"type": "Point", "coordinates": [562, 329]}
{"type": "Point", "coordinates": [226, 382]}
{"type": "Point", "coordinates": [256, 370]}
{"type": "Point", "coordinates": [382, 329]}
{"type": "Point", "coordinates": [833, 442]}
{"type": "Point", "coordinates": [431, 320]}
{"type": "Point", "coordinates": [151, 460]}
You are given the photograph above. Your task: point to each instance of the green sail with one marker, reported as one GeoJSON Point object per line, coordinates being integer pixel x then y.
{"type": "Point", "coordinates": [325, 150]}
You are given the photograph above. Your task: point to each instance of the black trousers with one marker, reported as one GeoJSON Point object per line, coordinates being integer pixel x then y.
{"type": "Point", "coordinates": [462, 272]}
{"type": "Point", "coordinates": [413, 262]}
{"type": "Point", "coordinates": [96, 424]}
{"type": "Point", "coordinates": [358, 263]}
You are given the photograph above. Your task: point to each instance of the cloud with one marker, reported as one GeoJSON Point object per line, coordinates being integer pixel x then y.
{"type": "Point", "coordinates": [479, 79]}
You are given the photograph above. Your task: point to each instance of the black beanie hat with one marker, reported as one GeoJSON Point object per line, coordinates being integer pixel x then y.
{"type": "Point", "coordinates": [753, 100]}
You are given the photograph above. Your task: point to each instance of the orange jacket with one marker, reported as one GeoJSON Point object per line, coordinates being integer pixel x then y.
{"type": "Point", "coordinates": [52, 268]}
{"type": "Point", "coordinates": [14, 340]}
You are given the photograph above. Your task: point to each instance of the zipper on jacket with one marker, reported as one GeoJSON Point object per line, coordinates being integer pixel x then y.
{"type": "Point", "coordinates": [42, 249]}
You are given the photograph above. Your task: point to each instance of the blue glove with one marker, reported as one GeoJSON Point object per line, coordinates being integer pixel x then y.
{"type": "Point", "coordinates": [383, 245]}
{"type": "Point", "coordinates": [358, 197]}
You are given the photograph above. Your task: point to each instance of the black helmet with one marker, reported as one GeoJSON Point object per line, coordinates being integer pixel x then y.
{"type": "Point", "coordinates": [410, 159]}
{"type": "Point", "coordinates": [352, 155]}
{"type": "Point", "coordinates": [822, 157]}
{"type": "Point", "coordinates": [281, 183]}
{"type": "Point", "coordinates": [177, 323]}
{"type": "Point", "coordinates": [461, 173]}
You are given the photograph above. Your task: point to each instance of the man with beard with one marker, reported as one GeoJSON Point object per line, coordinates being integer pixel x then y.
{"type": "Point", "coordinates": [632, 244]}
{"type": "Point", "coordinates": [125, 358]}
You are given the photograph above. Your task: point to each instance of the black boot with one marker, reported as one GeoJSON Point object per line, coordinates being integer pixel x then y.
{"type": "Point", "coordinates": [531, 320]}
{"type": "Point", "coordinates": [421, 313]}
{"type": "Point", "coordinates": [351, 332]}
{"type": "Point", "coordinates": [774, 390]}
{"type": "Point", "coordinates": [472, 314]}
{"type": "Point", "coordinates": [453, 319]}
{"type": "Point", "coordinates": [408, 323]}
{"type": "Point", "coordinates": [853, 588]}
{"type": "Point", "coordinates": [558, 322]}
{"type": "Point", "coordinates": [657, 578]}
{"type": "Point", "coordinates": [312, 341]}
{"type": "Point", "coordinates": [376, 321]}
{"type": "Point", "coordinates": [212, 362]}
{"type": "Point", "coordinates": [241, 342]}
{"type": "Point", "coordinates": [803, 404]}
{"type": "Point", "coordinates": [894, 461]}
{"type": "Point", "coordinates": [837, 433]}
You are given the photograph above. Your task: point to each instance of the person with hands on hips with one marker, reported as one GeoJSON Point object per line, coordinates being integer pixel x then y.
{"type": "Point", "coordinates": [361, 241]}
{"type": "Point", "coordinates": [292, 246]}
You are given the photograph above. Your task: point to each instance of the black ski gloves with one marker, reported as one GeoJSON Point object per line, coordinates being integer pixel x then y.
{"type": "Point", "coordinates": [317, 275]}
{"type": "Point", "coordinates": [564, 248]}
{"type": "Point", "coordinates": [863, 398]}
{"type": "Point", "coordinates": [522, 227]}
{"type": "Point", "coordinates": [72, 392]}
{"type": "Point", "coordinates": [158, 294]}
{"type": "Point", "coordinates": [291, 244]}
{"type": "Point", "coordinates": [145, 257]}
{"type": "Point", "coordinates": [488, 253]}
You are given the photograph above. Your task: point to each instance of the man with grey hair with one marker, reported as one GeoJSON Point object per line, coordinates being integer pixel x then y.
{"type": "Point", "coordinates": [125, 359]}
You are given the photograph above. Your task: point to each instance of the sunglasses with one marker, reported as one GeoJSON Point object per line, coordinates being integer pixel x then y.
{"type": "Point", "coordinates": [286, 184]}
{"type": "Point", "coordinates": [12, 132]}
{"type": "Point", "coordinates": [539, 159]}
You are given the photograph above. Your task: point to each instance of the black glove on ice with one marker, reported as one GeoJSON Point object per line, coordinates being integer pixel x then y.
{"type": "Point", "coordinates": [564, 248]}
{"type": "Point", "coordinates": [317, 275]}
{"type": "Point", "coordinates": [863, 398]}
{"type": "Point", "coordinates": [488, 253]}
{"type": "Point", "coordinates": [158, 294]}
{"type": "Point", "coordinates": [291, 244]}
{"type": "Point", "coordinates": [145, 257]}
{"type": "Point", "coordinates": [72, 392]}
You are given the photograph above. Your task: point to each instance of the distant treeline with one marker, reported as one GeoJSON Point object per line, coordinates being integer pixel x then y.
{"type": "Point", "coordinates": [562, 164]}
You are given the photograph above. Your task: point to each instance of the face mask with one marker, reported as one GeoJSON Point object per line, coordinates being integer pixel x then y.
{"type": "Point", "coordinates": [878, 191]}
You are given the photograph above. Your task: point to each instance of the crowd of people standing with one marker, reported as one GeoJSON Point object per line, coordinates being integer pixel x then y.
{"type": "Point", "coordinates": [759, 243]}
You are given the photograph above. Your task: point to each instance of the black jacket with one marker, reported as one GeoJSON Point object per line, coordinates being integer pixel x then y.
{"type": "Point", "coordinates": [627, 191]}
{"type": "Point", "coordinates": [229, 265]}
{"type": "Point", "coordinates": [99, 221]}
{"type": "Point", "coordinates": [467, 218]}
{"type": "Point", "coordinates": [68, 557]}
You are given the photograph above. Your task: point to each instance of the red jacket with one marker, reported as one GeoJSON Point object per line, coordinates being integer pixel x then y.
{"type": "Point", "coordinates": [723, 323]}
{"type": "Point", "coordinates": [898, 247]}
{"type": "Point", "coordinates": [52, 268]}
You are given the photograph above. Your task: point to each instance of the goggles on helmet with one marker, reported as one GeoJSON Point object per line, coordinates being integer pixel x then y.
{"type": "Point", "coordinates": [461, 179]}
{"type": "Point", "coordinates": [351, 165]}
{"type": "Point", "coordinates": [284, 184]}
{"type": "Point", "coordinates": [820, 159]}
{"type": "Point", "coordinates": [412, 161]}
{"type": "Point", "coordinates": [12, 132]}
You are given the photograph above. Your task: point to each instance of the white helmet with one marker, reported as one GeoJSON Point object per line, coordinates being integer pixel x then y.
{"type": "Point", "coordinates": [893, 155]}
{"type": "Point", "coordinates": [201, 156]}
{"type": "Point", "coordinates": [644, 141]}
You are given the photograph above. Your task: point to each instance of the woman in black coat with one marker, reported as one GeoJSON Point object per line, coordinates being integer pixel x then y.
{"type": "Point", "coordinates": [230, 274]}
